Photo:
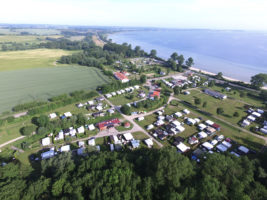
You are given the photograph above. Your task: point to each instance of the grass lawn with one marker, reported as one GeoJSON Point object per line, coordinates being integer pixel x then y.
{"type": "Point", "coordinates": [36, 31]}
{"type": "Point", "coordinates": [24, 39]}
{"type": "Point", "coordinates": [23, 86]}
{"type": "Point", "coordinates": [36, 58]}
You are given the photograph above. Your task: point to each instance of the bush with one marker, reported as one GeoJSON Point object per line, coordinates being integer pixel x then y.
{"type": "Point", "coordinates": [27, 130]}
{"type": "Point", "coordinates": [220, 111]}
{"type": "Point", "coordinates": [197, 101]}
{"type": "Point", "coordinates": [126, 110]}
{"type": "Point", "coordinates": [236, 114]}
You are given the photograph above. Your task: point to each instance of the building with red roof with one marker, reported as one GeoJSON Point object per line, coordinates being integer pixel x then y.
{"type": "Point", "coordinates": [108, 124]}
{"type": "Point", "coordinates": [216, 126]}
{"type": "Point", "coordinates": [121, 77]}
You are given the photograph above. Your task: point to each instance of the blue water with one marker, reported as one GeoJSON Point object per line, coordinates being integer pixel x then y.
{"type": "Point", "coordinates": [238, 54]}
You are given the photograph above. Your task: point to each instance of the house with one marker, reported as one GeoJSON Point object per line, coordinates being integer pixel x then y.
{"type": "Point", "coordinates": [193, 140]}
{"type": "Point", "coordinates": [67, 114]}
{"type": "Point", "coordinates": [219, 138]}
{"type": "Point", "coordinates": [80, 129]}
{"type": "Point", "coordinates": [65, 148]}
{"type": "Point", "coordinates": [221, 148]}
{"type": "Point", "coordinates": [202, 127]}
{"type": "Point", "coordinates": [52, 115]}
{"type": "Point", "coordinates": [208, 146]}
{"type": "Point", "coordinates": [121, 77]}
{"type": "Point", "coordinates": [114, 139]}
{"type": "Point", "coordinates": [60, 136]}
{"type": "Point", "coordinates": [185, 111]}
{"type": "Point", "coordinates": [99, 108]}
{"type": "Point", "coordinates": [190, 121]}
{"type": "Point", "coordinates": [91, 127]}
{"type": "Point", "coordinates": [210, 130]}
{"type": "Point", "coordinates": [98, 114]}
{"type": "Point", "coordinates": [149, 142]}
{"type": "Point", "coordinates": [48, 154]}
{"type": "Point", "coordinates": [209, 123]}
{"type": "Point", "coordinates": [140, 119]}
{"type": "Point", "coordinates": [150, 126]}
{"type": "Point", "coordinates": [135, 143]}
{"type": "Point", "coordinates": [108, 124]}
{"type": "Point", "coordinates": [113, 93]}
{"type": "Point", "coordinates": [155, 93]}
{"type": "Point", "coordinates": [176, 123]}
{"type": "Point", "coordinates": [91, 142]}
{"type": "Point", "coordinates": [128, 136]}
{"type": "Point", "coordinates": [251, 118]}
{"type": "Point", "coordinates": [245, 123]}
{"type": "Point", "coordinates": [243, 149]}
{"type": "Point", "coordinates": [214, 142]}
{"type": "Point", "coordinates": [215, 94]}
{"type": "Point", "coordinates": [182, 147]}
{"type": "Point", "coordinates": [178, 114]}
{"type": "Point", "coordinates": [202, 135]}
{"type": "Point", "coordinates": [216, 126]}
{"type": "Point", "coordinates": [46, 141]}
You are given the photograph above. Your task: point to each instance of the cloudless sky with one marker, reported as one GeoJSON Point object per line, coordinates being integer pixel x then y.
{"type": "Point", "coordinates": [214, 14]}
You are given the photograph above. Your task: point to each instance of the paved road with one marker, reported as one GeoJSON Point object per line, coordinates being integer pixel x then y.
{"type": "Point", "coordinates": [11, 141]}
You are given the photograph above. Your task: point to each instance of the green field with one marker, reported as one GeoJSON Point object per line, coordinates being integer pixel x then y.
{"type": "Point", "coordinates": [20, 86]}
{"type": "Point", "coordinates": [24, 39]}
{"type": "Point", "coordinates": [16, 60]}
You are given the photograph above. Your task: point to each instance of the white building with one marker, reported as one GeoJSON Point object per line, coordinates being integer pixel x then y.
{"type": "Point", "coordinates": [52, 115]}
{"type": "Point", "coordinates": [140, 119]}
{"type": "Point", "coordinates": [178, 114]}
{"type": "Point", "coordinates": [186, 111]}
{"type": "Point", "coordinates": [81, 129]}
{"type": "Point", "coordinates": [190, 121]}
{"type": "Point", "coordinates": [67, 114]}
{"type": "Point", "coordinates": [202, 135]}
{"type": "Point", "coordinates": [46, 141]}
{"type": "Point", "coordinates": [182, 147]}
{"type": "Point", "coordinates": [91, 142]}
{"type": "Point", "coordinates": [243, 149]}
{"type": "Point", "coordinates": [65, 148]}
{"type": "Point", "coordinates": [91, 127]}
{"type": "Point", "coordinates": [128, 136]}
{"type": "Point", "coordinates": [208, 145]}
{"type": "Point", "coordinates": [149, 142]}
{"type": "Point", "coordinates": [202, 127]}
{"type": "Point", "coordinates": [180, 128]}
{"type": "Point", "coordinates": [60, 135]}
{"type": "Point", "coordinates": [150, 126]}
{"type": "Point", "coordinates": [209, 123]}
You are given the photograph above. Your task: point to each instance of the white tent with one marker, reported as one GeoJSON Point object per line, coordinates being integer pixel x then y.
{"type": "Point", "coordinates": [202, 135]}
{"type": "Point", "coordinates": [245, 123]}
{"type": "Point", "coordinates": [65, 148]}
{"type": "Point", "coordinates": [176, 123]}
{"type": "Point", "coordinates": [46, 141]}
{"type": "Point", "coordinates": [182, 147]}
{"type": "Point", "coordinates": [91, 142]}
{"type": "Point", "coordinates": [186, 111]}
{"type": "Point", "coordinates": [149, 142]}
{"type": "Point", "coordinates": [251, 118]}
{"type": "Point", "coordinates": [256, 114]}
{"type": "Point", "coordinates": [128, 136]}
{"type": "Point", "coordinates": [207, 145]}
{"type": "Point", "coordinates": [243, 149]}
{"type": "Point", "coordinates": [91, 127]}
{"type": "Point", "coordinates": [227, 144]}
{"type": "Point", "coordinates": [180, 128]}
{"type": "Point", "coordinates": [209, 123]}
{"type": "Point", "coordinates": [178, 114]}
{"type": "Point", "coordinates": [190, 121]}
{"type": "Point", "coordinates": [159, 123]}
{"type": "Point", "coordinates": [202, 127]}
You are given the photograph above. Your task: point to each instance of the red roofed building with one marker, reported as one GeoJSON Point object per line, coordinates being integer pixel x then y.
{"type": "Point", "coordinates": [155, 93]}
{"type": "Point", "coordinates": [108, 124]}
{"type": "Point", "coordinates": [120, 76]}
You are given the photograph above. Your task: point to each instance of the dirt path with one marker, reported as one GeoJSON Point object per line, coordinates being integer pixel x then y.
{"type": "Point", "coordinates": [11, 141]}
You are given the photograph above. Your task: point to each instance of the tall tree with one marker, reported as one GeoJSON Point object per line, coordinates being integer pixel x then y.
{"type": "Point", "coordinates": [189, 62]}
{"type": "Point", "coordinates": [259, 80]}
{"type": "Point", "coordinates": [180, 60]}
{"type": "Point", "coordinates": [174, 56]}
{"type": "Point", "coordinates": [153, 53]}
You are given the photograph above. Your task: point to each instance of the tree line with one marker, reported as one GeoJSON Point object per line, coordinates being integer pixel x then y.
{"type": "Point", "coordinates": [143, 174]}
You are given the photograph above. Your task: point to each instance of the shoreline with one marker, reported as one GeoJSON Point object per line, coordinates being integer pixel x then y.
{"type": "Point", "coordinates": [225, 77]}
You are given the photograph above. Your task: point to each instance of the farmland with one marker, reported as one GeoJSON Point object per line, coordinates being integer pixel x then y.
{"type": "Point", "coordinates": [16, 60]}
{"type": "Point", "coordinates": [23, 39]}
{"type": "Point", "coordinates": [30, 31]}
{"type": "Point", "coordinates": [20, 86]}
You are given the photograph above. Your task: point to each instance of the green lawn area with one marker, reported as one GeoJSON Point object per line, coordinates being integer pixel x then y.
{"type": "Point", "coordinates": [23, 86]}
{"type": "Point", "coordinates": [24, 39]}
{"type": "Point", "coordinates": [36, 58]}
{"type": "Point", "coordinates": [122, 99]}
{"type": "Point", "coordinates": [36, 31]}
{"type": "Point", "coordinates": [230, 106]}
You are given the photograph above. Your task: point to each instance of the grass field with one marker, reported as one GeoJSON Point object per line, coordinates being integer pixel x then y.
{"type": "Point", "coordinates": [15, 60]}
{"type": "Point", "coordinates": [26, 85]}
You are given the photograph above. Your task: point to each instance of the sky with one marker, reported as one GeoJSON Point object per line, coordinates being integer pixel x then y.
{"type": "Point", "coordinates": [212, 14]}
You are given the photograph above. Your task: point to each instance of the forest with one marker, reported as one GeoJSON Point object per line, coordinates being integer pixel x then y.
{"type": "Point", "coordinates": [142, 174]}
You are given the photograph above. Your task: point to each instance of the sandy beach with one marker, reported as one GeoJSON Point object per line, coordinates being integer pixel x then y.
{"type": "Point", "coordinates": [225, 77]}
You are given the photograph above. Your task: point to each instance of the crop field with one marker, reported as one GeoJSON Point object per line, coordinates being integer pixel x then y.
{"type": "Point", "coordinates": [24, 39]}
{"type": "Point", "coordinates": [16, 60]}
{"type": "Point", "coordinates": [30, 31]}
{"type": "Point", "coordinates": [20, 86]}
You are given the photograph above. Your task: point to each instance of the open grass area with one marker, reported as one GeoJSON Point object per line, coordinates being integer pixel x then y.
{"type": "Point", "coordinates": [36, 58]}
{"type": "Point", "coordinates": [21, 86]}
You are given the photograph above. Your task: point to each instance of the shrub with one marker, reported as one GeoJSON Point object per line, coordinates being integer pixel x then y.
{"type": "Point", "coordinates": [27, 130]}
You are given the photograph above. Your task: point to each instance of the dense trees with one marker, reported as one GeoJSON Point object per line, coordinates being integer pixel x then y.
{"type": "Point", "coordinates": [189, 62]}
{"type": "Point", "coordinates": [142, 174]}
{"type": "Point", "coordinates": [153, 53]}
{"type": "Point", "coordinates": [259, 80]}
{"type": "Point", "coordinates": [125, 109]}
